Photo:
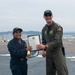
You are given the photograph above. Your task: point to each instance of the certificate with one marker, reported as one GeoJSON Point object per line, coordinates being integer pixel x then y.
{"type": "Point", "coordinates": [33, 41]}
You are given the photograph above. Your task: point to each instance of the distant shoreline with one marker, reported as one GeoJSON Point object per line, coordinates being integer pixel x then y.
{"type": "Point", "coordinates": [33, 32]}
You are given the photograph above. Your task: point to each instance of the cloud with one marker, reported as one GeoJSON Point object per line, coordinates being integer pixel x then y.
{"type": "Point", "coordinates": [28, 14]}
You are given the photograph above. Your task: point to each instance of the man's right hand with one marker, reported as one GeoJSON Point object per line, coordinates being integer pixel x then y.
{"type": "Point", "coordinates": [44, 53]}
{"type": "Point", "coordinates": [29, 48]}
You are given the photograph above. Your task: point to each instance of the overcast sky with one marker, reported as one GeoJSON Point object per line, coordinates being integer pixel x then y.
{"type": "Point", "coordinates": [28, 14]}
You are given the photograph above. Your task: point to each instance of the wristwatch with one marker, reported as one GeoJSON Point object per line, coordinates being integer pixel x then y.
{"type": "Point", "coordinates": [46, 46]}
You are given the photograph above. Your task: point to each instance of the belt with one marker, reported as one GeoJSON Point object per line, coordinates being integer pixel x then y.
{"type": "Point", "coordinates": [22, 59]}
{"type": "Point", "coordinates": [19, 59]}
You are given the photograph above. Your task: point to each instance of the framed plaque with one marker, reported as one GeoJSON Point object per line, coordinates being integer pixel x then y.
{"type": "Point", "coordinates": [33, 41]}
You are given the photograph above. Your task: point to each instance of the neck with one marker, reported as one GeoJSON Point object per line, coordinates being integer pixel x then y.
{"type": "Point", "coordinates": [50, 23]}
{"type": "Point", "coordinates": [19, 39]}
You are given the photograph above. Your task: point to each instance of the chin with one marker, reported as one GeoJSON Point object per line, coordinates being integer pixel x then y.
{"type": "Point", "coordinates": [48, 21]}
{"type": "Point", "coordinates": [18, 37]}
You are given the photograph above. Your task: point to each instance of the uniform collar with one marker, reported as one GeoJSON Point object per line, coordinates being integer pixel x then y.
{"type": "Point", "coordinates": [51, 24]}
{"type": "Point", "coordinates": [16, 40]}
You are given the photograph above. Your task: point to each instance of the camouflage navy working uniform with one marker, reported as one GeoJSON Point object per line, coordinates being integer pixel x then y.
{"type": "Point", "coordinates": [55, 54]}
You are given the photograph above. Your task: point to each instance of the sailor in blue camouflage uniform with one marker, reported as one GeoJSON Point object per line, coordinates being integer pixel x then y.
{"type": "Point", "coordinates": [52, 43]}
{"type": "Point", "coordinates": [18, 51]}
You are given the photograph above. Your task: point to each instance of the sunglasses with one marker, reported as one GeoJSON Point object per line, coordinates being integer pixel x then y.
{"type": "Point", "coordinates": [47, 14]}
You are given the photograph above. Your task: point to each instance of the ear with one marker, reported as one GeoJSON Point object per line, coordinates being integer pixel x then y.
{"type": "Point", "coordinates": [44, 17]}
{"type": "Point", "coordinates": [52, 16]}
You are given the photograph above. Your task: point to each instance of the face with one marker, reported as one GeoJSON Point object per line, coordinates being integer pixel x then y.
{"type": "Point", "coordinates": [48, 19]}
{"type": "Point", "coordinates": [17, 34]}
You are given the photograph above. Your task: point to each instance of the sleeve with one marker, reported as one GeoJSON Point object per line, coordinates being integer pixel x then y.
{"type": "Point", "coordinates": [43, 38]}
{"type": "Point", "coordinates": [57, 39]}
{"type": "Point", "coordinates": [16, 52]}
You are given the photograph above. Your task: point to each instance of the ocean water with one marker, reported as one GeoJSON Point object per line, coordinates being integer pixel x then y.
{"type": "Point", "coordinates": [69, 36]}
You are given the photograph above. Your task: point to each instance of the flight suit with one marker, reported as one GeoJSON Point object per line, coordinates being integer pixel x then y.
{"type": "Point", "coordinates": [18, 62]}
{"type": "Point", "coordinates": [55, 54]}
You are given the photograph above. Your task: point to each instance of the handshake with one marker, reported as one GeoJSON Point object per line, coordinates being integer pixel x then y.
{"type": "Point", "coordinates": [39, 47]}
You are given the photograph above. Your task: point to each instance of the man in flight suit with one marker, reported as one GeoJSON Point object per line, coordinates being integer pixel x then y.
{"type": "Point", "coordinates": [18, 51]}
{"type": "Point", "coordinates": [52, 43]}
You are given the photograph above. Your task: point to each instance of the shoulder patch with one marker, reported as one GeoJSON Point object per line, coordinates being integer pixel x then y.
{"type": "Point", "coordinates": [59, 29]}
